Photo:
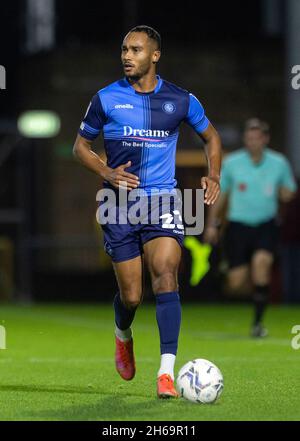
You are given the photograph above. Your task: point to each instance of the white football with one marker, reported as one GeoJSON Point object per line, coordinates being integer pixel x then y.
{"type": "Point", "coordinates": [200, 381]}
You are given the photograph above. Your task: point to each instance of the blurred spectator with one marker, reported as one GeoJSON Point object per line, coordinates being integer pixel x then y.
{"type": "Point", "coordinates": [253, 180]}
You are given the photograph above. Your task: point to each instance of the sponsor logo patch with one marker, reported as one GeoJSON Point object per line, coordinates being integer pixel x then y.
{"type": "Point", "coordinates": [123, 106]}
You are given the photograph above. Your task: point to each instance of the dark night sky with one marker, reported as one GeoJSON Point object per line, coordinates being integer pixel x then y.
{"type": "Point", "coordinates": [98, 21]}
{"type": "Point", "coordinates": [188, 20]}
{"type": "Point", "coordinates": [105, 23]}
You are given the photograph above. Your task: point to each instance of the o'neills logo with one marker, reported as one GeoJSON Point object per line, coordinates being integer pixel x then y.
{"type": "Point", "coordinates": [129, 131]}
{"type": "Point", "coordinates": [123, 106]}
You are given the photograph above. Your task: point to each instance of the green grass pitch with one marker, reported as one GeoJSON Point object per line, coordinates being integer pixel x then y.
{"type": "Point", "coordinates": [59, 364]}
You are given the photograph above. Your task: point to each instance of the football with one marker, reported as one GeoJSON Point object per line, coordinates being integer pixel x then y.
{"type": "Point", "coordinates": [200, 381]}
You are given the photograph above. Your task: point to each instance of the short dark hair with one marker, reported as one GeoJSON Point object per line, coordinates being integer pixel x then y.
{"type": "Point", "coordinates": [257, 124]}
{"type": "Point", "coordinates": [152, 33]}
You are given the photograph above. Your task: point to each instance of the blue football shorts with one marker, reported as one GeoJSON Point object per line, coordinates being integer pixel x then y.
{"type": "Point", "coordinates": [128, 224]}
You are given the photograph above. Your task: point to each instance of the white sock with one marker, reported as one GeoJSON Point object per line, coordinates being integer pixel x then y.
{"type": "Point", "coordinates": [123, 335]}
{"type": "Point", "coordinates": [167, 363]}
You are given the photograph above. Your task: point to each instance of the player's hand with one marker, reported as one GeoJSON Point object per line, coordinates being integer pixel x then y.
{"type": "Point", "coordinates": [211, 235]}
{"type": "Point", "coordinates": [211, 185]}
{"type": "Point", "coordinates": [119, 178]}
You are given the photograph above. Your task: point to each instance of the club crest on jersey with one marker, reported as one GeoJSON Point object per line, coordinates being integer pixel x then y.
{"type": "Point", "coordinates": [169, 107]}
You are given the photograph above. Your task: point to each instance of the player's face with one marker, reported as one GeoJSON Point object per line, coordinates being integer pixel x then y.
{"type": "Point", "coordinates": [255, 140]}
{"type": "Point", "coordinates": [139, 55]}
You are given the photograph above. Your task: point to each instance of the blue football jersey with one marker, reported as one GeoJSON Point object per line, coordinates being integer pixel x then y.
{"type": "Point", "coordinates": [143, 128]}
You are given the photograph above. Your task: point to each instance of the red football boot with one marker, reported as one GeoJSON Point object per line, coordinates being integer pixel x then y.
{"type": "Point", "coordinates": [165, 387]}
{"type": "Point", "coordinates": [124, 358]}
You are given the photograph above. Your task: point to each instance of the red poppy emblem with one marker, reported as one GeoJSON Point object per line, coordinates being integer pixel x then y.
{"type": "Point", "coordinates": [242, 187]}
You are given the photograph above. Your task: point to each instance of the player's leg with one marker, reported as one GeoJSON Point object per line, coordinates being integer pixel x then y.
{"type": "Point", "coordinates": [238, 280]}
{"type": "Point", "coordinates": [129, 275]}
{"type": "Point", "coordinates": [264, 246]}
{"type": "Point", "coordinates": [261, 266]}
{"type": "Point", "coordinates": [238, 255]}
{"type": "Point", "coordinates": [162, 256]}
{"type": "Point", "coordinates": [123, 246]}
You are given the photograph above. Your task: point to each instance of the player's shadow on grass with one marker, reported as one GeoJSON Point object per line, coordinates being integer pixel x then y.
{"type": "Point", "coordinates": [62, 390]}
{"type": "Point", "coordinates": [112, 407]}
{"type": "Point", "coordinates": [99, 404]}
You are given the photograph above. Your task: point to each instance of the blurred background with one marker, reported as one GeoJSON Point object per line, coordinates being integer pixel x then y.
{"type": "Point", "coordinates": [236, 57]}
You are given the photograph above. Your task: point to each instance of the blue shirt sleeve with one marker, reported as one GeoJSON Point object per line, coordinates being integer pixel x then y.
{"type": "Point", "coordinates": [287, 178]}
{"type": "Point", "coordinates": [93, 120]}
{"type": "Point", "coordinates": [196, 117]}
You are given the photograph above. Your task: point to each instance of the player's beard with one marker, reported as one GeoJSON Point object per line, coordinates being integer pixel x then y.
{"type": "Point", "coordinates": [133, 78]}
{"type": "Point", "coordinates": [141, 71]}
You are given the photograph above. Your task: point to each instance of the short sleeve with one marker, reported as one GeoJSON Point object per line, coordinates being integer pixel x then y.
{"type": "Point", "coordinates": [287, 177]}
{"type": "Point", "coordinates": [226, 180]}
{"type": "Point", "coordinates": [196, 117]}
{"type": "Point", "coordinates": [93, 120]}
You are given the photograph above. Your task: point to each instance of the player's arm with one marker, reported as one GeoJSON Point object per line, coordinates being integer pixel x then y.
{"type": "Point", "coordinates": [197, 119]}
{"type": "Point", "coordinates": [286, 195]}
{"type": "Point", "coordinates": [83, 152]}
{"type": "Point", "coordinates": [118, 177]}
{"type": "Point", "coordinates": [213, 150]}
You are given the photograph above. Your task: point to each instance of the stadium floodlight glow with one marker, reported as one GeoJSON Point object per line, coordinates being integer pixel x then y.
{"type": "Point", "coordinates": [39, 124]}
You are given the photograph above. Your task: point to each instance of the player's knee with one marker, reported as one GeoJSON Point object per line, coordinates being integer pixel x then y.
{"type": "Point", "coordinates": [261, 267]}
{"type": "Point", "coordinates": [164, 279]}
{"type": "Point", "coordinates": [235, 285]}
{"type": "Point", "coordinates": [162, 267]}
{"type": "Point", "coordinates": [132, 303]}
{"type": "Point", "coordinates": [262, 261]}
{"type": "Point", "coordinates": [131, 298]}
{"type": "Point", "coordinates": [261, 276]}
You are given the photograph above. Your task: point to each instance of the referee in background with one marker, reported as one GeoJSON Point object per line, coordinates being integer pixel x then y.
{"type": "Point", "coordinates": [254, 180]}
